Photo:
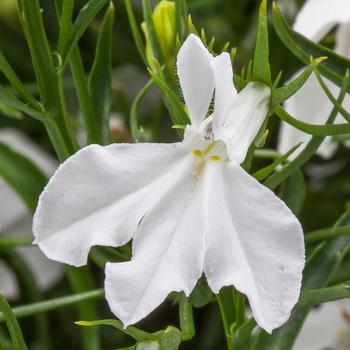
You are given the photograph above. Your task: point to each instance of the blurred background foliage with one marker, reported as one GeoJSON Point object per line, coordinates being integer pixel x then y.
{"type": "Point", "coordinates": [327, 187]}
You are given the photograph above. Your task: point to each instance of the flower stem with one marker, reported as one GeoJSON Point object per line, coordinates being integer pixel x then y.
{"type": "Point", "coordinates": [227, 310]}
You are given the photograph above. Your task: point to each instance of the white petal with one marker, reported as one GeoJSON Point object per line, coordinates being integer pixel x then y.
{"type": "Point", "coordinates": [196, 78]}
{"type": "Point", "coordinates": [168, 253]}
{"type": "Point", "coordinates": [254, 242]}
{"type": "Point", "coordinates": [99, 195]}
{"type": "Point", "coordinates": [317, 17]}
{"type": "Point", "coordinates": [225, 91]}
{"type": "Point", "coordinates": [342, 37]}
{"type": "Point", "coordinates": [325, 327]}
{"type": "Point", "coordinates": [245, 119]}
{"type": "Point", "coordinates": [310, 105]}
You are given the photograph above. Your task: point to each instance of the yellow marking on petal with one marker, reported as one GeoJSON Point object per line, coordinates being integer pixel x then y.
{"type": "Point", "coordinates": [215, 158]}
{"type": "Point", "coordinates": [197, 152]}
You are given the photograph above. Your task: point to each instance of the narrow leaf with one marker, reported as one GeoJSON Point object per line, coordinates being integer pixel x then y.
{"type": "Point", "coordinates": [315, 297]}
{"type": "Point", "coordinates": [335, 66]}
{"type": "Point", "coordinates": [12, 167]}
{"type": "Point", "coordinates": [12, 324]}
{"type": "Point", "coordinates": [85, 17]}
{"type": "Point", "coordinates": [100, 82]}
{"type": "Point", "coordinates": [133, 332]}
{"type": "Point", "coordinates": [261, 65]}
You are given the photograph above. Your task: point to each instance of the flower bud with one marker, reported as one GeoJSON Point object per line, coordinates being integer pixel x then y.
{"type": "Point", "coordinates": [165, 27]}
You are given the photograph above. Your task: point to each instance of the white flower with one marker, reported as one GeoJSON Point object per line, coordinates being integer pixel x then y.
{"type": "Point", "coordinates": [189, 207]}
{"type": "Point", "coordinates": [310, 104]}
{"type": "Point", "coordinates": [15, 219]}
{"type": "Point", "coordinates": [326, 327]}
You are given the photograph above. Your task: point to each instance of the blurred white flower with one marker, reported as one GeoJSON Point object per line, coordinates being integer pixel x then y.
{"type": "Point", "coordinates": [189, 206]}
{"type": "Point", "coordinates": [310, 104]}
{"type": "Point", "coordinates": [15, 219]}
{"type": "Point", "coordinates": [327, 327]}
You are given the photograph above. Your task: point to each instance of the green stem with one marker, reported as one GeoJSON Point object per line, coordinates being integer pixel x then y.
{"type": "Point", "coordinates": [227, 310]}
{"type": "Point", "coordinates": [53, 304]}
{"type": "Point", "coordinates": [29, 292]}
{"type": "Point", "coordinates": [9, 241]}
{"type": "Point", "coordinates": [186, 318]}
{"type": "Point", "coordinates": [87, 109]}
{"type": "Point", "coordinates": [319, 296]}
{"type": "Point", "coordinates": [81, 280]}
{"type": "Point", "coordinates": [327, 233]}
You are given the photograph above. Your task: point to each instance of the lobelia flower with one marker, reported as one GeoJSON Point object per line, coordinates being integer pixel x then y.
{"type": "Point", "coordinates": [15, 219]}
{"type": "Point", "coordinates": [188, 206]}
{"type": "Point", "coordinates": [310, 104]}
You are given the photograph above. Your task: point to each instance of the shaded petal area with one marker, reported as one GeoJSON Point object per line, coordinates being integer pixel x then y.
{"type": "Point", "coordinates": [311, 105]}
{"type": "Point", "coordinates": [196, 78]}
{"type": "Point", "coordinates": [254, 243]}
{"type": "Point", "coordinates": [317, 17]}
{"type": "Point", "coordinates": [168, 253]}
{"type": "Point", "coordinates": [245, 119]}
{"type": "Point", "coordinates": [99, 196]}
{"type": "Point", "coordinates": [225, 92]}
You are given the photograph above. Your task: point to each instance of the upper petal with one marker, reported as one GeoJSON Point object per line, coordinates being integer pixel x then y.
{"type": "Point", "coordinates": [310, 105]}
{"type": "Point", "coordinates": [317, 17]}
{"type": "Point", "coordinates": [196, 78]}
{"type": "Point", "coordinates": [168, 253]}
{"type": "Point", "coordinates": [245, 119]}
{"type": "Point", "coordinates": [225, 91]}
{"type": "Point", "coordinates": [99, 195]}
{"type": "Point", "coordinates": [254, 242]}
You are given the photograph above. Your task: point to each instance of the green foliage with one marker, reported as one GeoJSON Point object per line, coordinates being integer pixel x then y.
{"type": "Point", "coordinates": [12, 324]}
{"type": "Point", "coordinates": [12, 167]}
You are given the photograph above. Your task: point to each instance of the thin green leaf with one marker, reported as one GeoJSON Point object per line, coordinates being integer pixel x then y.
{"type": "Point", "coordinates": [32, 23]}
{"type": "Point", "coordinates": [320, 235]}
{"type": "Point", "coordinates": [15, 241]}
{"type": "Point", "coordinates": [283, 93]}
{"type": "Point", "coordinates": [135, 31]}
{"type": "Point", "coordinates": [30, 292]}
{"type": "Point", "coordinates": [16, 83]}
{"type": "Point", "coordinates": [135, 333]}
{"type": "Point", "coordinates": [293, 191]}
{"type": "Point", "coordinates": [335, 66]}
{"type": "Point", "coordinates": [9, 111]}
{"type": "Point", "coordinates": [12, 324]}
{"type": "Point", "coordinates": [181, 18]}
{"type": "Point", "coordinates": [85, 17]}
{"type": "Point", "coordinates": [275, 179]}
{"type": "Point", "coordinates": [53, 304]}
{"type": "Point", "coordinates": [11, 101]}
{"type": "Point", "coordinates": [265, 172]}
{"type": "Point", "coordinates": [65, 22]}
{"type": "Point", "coordinates": [100, 81]}
{"type": "Point", "coordinates": [323, 295]}
{"type": "Point", "coordinates": [243, 335]}
{"type": "Point", "coordinates": [261, 64]}
{"type": "Point", "coordinates": [312, 129]}
{"type": "Point", "coordinates": [330, 96]}
{"type": "Point", "coordinates": [134, 125]}
{"type": "Point", "coordinates": [175, 105]}
{"type": "Point", "coordinates": [12, 167]}
{"type": "Point", "coordinates": [81, 281]}
{"type": "Point", "coordinates": [151, 32]}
